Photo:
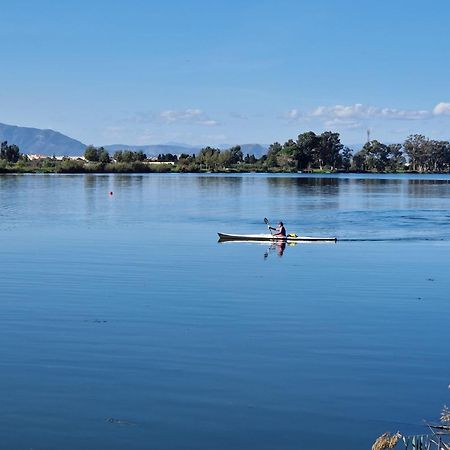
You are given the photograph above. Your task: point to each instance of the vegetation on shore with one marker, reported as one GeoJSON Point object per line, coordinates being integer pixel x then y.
{"type": "Point", "coordinates": [438, 437]}
{"type": "Point", "coordinates": [310, 152]}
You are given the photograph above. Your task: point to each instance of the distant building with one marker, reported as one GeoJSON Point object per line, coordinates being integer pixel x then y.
{"type": "Point", "coordinates": [155, 163]}
{"type": "Point", "coordinates": [37, 156]}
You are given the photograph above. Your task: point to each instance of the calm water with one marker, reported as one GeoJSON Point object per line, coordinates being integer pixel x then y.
{"type": "Point", "coordinates": [125, 325]}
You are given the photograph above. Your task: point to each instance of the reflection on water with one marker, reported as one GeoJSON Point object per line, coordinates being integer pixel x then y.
{"type": "Point", "coordinates": [279, 247]}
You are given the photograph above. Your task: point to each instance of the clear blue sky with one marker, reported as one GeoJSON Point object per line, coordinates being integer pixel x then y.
{"type": "Point", "coordinates": [209, 72]}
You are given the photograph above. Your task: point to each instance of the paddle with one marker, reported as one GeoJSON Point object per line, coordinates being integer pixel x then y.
{"type": "Point", "coordinates": [266, 221]}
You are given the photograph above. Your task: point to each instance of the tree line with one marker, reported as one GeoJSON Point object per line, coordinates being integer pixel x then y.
{"type": "Point", "coordinates": [309, 152]}
{"type": "Point", "coordinates": [325, 151]}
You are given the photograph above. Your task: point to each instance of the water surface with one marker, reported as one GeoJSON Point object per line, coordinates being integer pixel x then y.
{"type": "Point", "coordinates": [125, 324]}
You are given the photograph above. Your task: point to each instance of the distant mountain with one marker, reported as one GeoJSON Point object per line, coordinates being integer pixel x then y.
{"type": "Point", "coordinates": [50, 142]}
{"type": "Point", "coordinates": [34, 140]}
{"type": "Point", "coordinates": [256, 149]}
{"type": "Point", "coordinates": [154, 150]}
{"type": "Point", "coordinates": [177, 148]}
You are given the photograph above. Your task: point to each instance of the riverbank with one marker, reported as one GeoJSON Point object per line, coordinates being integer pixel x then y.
{"type": "Point", "coordinates": [50, 165]}
{"type": "Point", "coordinates": [310, 153]}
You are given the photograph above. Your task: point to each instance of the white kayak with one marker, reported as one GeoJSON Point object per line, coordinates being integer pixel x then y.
{"type": "Point", "coordinates": [269, 237]}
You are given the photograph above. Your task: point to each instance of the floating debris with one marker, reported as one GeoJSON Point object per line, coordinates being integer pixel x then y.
{"type": "Point", "coordinates": [119, 421]}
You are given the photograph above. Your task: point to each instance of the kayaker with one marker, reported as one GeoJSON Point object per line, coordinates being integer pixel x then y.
{"type": "Point", "coordinates": [280, 230]}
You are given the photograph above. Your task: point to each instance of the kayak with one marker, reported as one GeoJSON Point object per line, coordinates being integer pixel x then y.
{"type": "Point", "coordinates": [269, 237]}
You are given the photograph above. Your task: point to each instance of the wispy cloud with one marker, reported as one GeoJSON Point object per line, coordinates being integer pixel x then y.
{"type": "Point", "coordinates": [348, 124]}
{"type": "Point", "coordinates": [207, 122]}
{"type": "Point", "coordinates": [293, 114]}
{"type": "Point", "coordinates": [360, 111]}
{"type": "Point", "coordinates": [352, 116]}
{"type": "Point", "coordinates": [237, 115]}
{"type": "Point", "coordinates": [177, 116]}
{"type": "Point", "coordinates": [191, 115]}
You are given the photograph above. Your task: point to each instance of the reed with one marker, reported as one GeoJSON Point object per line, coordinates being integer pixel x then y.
{"type": "Point", "coordinates": [385, 441]}
{"type": "Point", "coordinates": [445, 415]}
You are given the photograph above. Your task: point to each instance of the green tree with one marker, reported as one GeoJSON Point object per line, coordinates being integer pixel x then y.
{"type": "Point", "coordinates": [118, 156]}
{"type": "Point", "coordinates": [359, 161]}
{"type": "Point", "coordinates": [127, 156]}
{"type": "Point", "coordinates": [91, 153]}
{"type": "Point", "coordinates": [167, 157]}
{"type": "Point", "coordinates": [140, 156]}
{"type": "Point", "coordinates": [306, 148]}
{"type": "Point", "coordinates": [439, 156]}
{"type": "Point", "coordinates": [272, 155]}
{"type": "Point", "coordinates": [397, 159]}
{"type": "Point", "coordinates": [236, 155]}
{"type": "Point", "coordinates": [346, 159]}
{"type": "Point", "coordinates": [208, 158]}
{"type": "Point", "coordinates": [250, 159]}
{"type": "Point", "coordinates": [94, 154]}
{"type": "Point", "coordinates": [10, 153]}
{"type": "Point", "coordinates": [103, 156]}
{"type": "Point", "coordinates": [377, 156]}
{"type": "Point", "coordinates": [328, 150]}
{"type": "Point", "coordinates": [286, 159]}
{"type": "Point", "coordinates": [416, 148]}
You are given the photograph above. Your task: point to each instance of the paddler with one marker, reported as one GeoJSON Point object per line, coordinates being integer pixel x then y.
{"type": "Point", "coordinates": [280, 230]}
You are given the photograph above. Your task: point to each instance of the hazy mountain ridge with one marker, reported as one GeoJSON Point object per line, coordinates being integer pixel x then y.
{"type": "Point", "coordinates": [50, 142]}
{"type": "Point", "coordinates": [35, 140]}
{"type": "Point", "coordinates": [153, 149]}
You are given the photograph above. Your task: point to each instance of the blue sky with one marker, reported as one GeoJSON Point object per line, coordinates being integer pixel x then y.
{"type": "Point", "coordinates": [210, 72]}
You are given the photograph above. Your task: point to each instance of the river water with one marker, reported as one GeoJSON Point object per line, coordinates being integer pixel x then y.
{"type": "Point", "coordinates": [124, 324]}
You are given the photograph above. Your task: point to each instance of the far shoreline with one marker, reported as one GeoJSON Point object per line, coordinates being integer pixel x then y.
{"type": "Point", "coordinates": [310, 153]}
{"type": "Point", "coordinates": [221, 172]}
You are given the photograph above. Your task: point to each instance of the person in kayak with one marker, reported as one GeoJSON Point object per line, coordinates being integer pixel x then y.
{"type": "Point", "coordinates": [280, 230]}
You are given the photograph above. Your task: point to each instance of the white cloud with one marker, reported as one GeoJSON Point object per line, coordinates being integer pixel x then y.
{"type": "Point", "coordinates": [406, 114]}
{"type": "Point", "coordinates": [191, 115]}
{"type": "Point", "coordinates": [360, 111]}
{"type": "Point", "coordinates": [176, 116]}
{"type": "Point", "coordinates": [442, 109]}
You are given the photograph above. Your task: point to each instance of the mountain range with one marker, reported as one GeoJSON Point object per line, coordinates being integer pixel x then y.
{"type": "Point", "coordinates": [50, 142]}
{"type": "Point", "coordinates": [35, 140]}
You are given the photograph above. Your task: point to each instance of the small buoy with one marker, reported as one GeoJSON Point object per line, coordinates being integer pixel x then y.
{"type": "Point", "coordinates": [111, 193]}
